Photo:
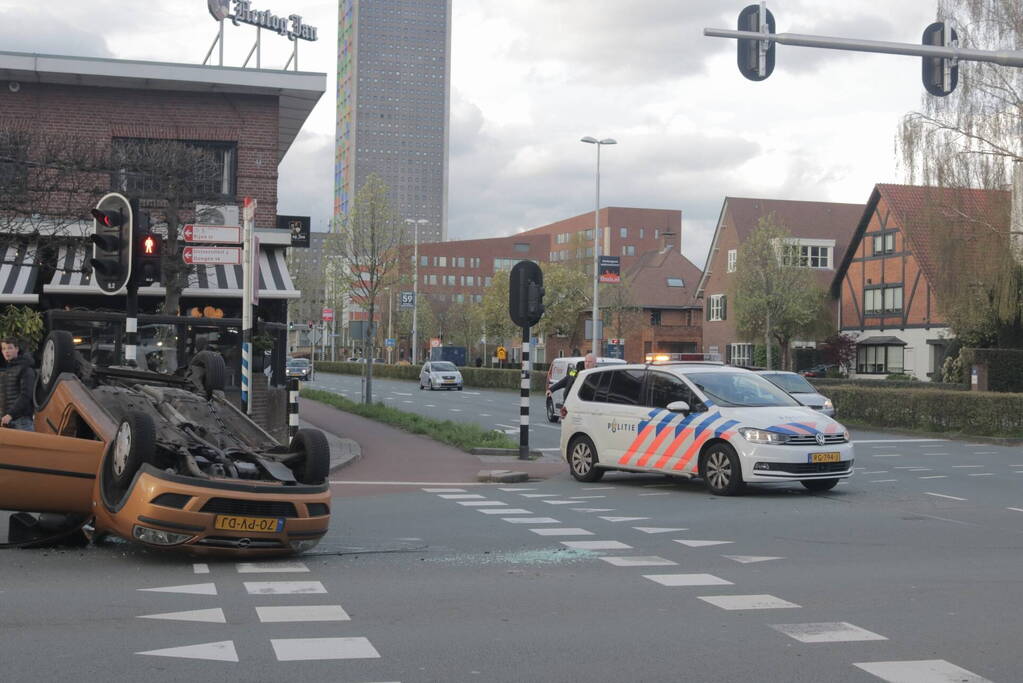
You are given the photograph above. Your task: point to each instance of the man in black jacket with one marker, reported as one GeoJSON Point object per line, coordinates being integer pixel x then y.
{"type": "Point", "coordinates": [17, 378]}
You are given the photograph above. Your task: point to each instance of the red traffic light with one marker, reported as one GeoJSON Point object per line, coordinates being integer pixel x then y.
{"type": "Point", "coordinates": [110, 219]}
{"type": "Point", "coordinates": [150, 246]}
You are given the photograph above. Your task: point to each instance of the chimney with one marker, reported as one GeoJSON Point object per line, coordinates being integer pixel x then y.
{"type": "Point", "coordinates": [667, 241]}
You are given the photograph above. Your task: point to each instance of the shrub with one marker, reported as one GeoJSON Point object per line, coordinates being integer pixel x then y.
{"type": "Point", "coordinates": [901, 377]}
{"type": "Point", "coordinates": [1004, 367]}
{"type": "Point", "coordinates": [483, 378]}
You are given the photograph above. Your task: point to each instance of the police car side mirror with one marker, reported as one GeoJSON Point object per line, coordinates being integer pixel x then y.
{"type": "Point", "coordinates": [678, 407]}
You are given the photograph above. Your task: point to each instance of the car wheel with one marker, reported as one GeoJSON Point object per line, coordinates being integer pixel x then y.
{"type": "Point", "coordinates": [551, 415]}
{"type": "Point", "coordinates": [313, 462]}
{"type": "Point", "coordinates": [720, 470]}
{"type": "Point", "coordinates": [460, 387]}
{"type": "Point", "coordinates": [420, 385]}
{"type": "Point", "coordinates": [134, 445]}
{"type": "Point", "coordinates": [819, 484]}
{"type": "Point", "coordinates": [431, 385]}
{"type": "Point", "coordinates": [582, 460]}
{"type": "Point", "coordinates": [58, 357]}
{"type": "Point", "coordinates": [208, 371]}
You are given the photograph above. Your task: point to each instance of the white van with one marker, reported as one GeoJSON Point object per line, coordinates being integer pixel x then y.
{"type": "Point", "coordinates": [557, 371]}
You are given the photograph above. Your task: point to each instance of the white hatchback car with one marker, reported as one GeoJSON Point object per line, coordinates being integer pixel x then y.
{"type": "Point", "coordinates": [440, 374]}
{"type": "Point", "coordinates": [726, 425]}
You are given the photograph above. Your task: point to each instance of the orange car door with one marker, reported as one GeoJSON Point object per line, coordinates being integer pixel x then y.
{"type": "Point", "coordinates": [46, 473]}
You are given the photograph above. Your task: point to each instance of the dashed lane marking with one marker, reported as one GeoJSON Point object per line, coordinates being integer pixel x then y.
{"type": "Point", "coordinates": [751, 559]}
{"type": "Point", "coordinates": [562, 531]}
{"type": "Point", "coordinates": [455, 410]}
{"type": "Point", "coordinates": [638, 561]}
{"type": "Point", "coordinates": [701, 544]}
{"type": "Point", "coordinates": [271, 567]}
{"type": "Point", "coordinates": [201, 568]}
{"type": "Point", "coordinates": [882, 481]}
{"type": "Point", "coordinates": [827, 632]}
{"type": "Point", "coordinates": [741, 602]}
{"type": "Point", "coordinates": [1015, 509]}
{"type": "Point", "coordinates": [886, 455]}
{"type": "Point", "coordinates": [562, 502]}
{"type": "Point", "coordinates": [666, 493]}
{"type": "Point", "coordinates": [587, 497]}
{"type": "Point", "coordinates": [514, 488]}
{"type": "Point", "coordinates": [920, 671]}
{"type": "Point", "coordinates": [207, 616]}
{"type": "Point", "coordinates": [461, 496]}
{"type": "Point", "coordinates": [190, 589]}
{"type": "Point", "coordinates": [596, 545]}
{"type": "Point", "coordinates": [532, 520]}
{"type": "Point", "coordinates": [658, 486]}
{"type": "Point", "coordinates": [859, 441]}
{"type": "Point", "coordinates": [935, 476]}
{"type": "Point", "coordinates": [222, 651]}
{"type": "Point", "coordinates": [504, 511]}
{"type": "Point", "coordinates": [538, 495]}
{"type": "Point", "coordinates": [444, 490]}
{"type": "Point", "coordinates": [942, 495]}
{"type": "Point", "coordinates": [310, 649]}
{"type": "Point", "coordinates": [296, 613]}
{"type": "Point", "coordinates": [598, 488]}
{"type": "Point", "coordinates": [657, 529]}
{"type": "Point", "coordinates": [593, 509]}
{"type": "Point", "coordinates": [674, 580]}
{"type": "Point", "coordinates": [481, 503]}
{"type": "Point", "coordinates": [876, 472]}
{"type": "Point", "coordinates": [965, 466]}
{"type": "Point", "coordinates": [284, 587]}
{"type": "Point", "coordinates": [981, 474]}
{"type": "Point", "coordinates": [624, 519]}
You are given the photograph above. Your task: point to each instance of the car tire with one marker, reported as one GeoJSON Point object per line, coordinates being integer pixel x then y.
{"type": "Point", "coordinates": [420, 385]}
{"type": "Point", "coordinates": [819, 485]}
{"type": "Point", "coordinates": [208, 371]}
{"type": "Point", "coordinates": [582, 460]}
{"type": "Point", "coordinates": [312, 466]}
{"type": "Point", "coordinates": [134, 445]}
{"type": "Point", "coordinates": [431, 385]}
{"type": "Point", "coordinates": [57, 358]}
{"type": "Point", "coordinates": [720, 470]}
{"type": "Point", "coordinates": [552, 417]}
{"type": "Point", "coordinates": [460, 388]}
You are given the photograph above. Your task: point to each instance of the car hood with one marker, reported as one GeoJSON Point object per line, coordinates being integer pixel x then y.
{"type": "Point", "coordinates": [810, 399]}
{"type": "Point", "coordinates": [787, 419]}
{"type": "Point", "coordinates": [446, 372]}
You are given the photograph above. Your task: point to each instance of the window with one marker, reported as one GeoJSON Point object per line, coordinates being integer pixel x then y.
{"type": "Point", "coordinates": [461, 261]}
{"type": "Point", "coordinates": [884, 243]}
{"type": "Point", "coordinates": [460, 298]}
{"type": "Point", "coordinates": [877, 300]}
{"type": "Point", "coordinates": [424, 260]}
{"type": "Point", "coordinates": [655, 317]}
{"type": "Point", "coordinates": [676, 282]}
{"type": "Point", "coordinates": [217, 176]}
{"type": "Point", "coordinates": [732, 254]}
{"type": "Point", "coordinates": [623, 233]}
{"type": "Point", "coordinates": [806, 256]}
{"type": "Point", "coordinates": [665, 389]}
{"type": "Point", "coordinates": [505, 263]}
{"type": "Point", "coordinates": [470, 281]}
{"type": "Point", "coordinates": [433, 279]}
{"type": "Point", "coordinates": [626, 387]}
{"type": "Point", "coordinates": [449, 280]}
{"type": "Point", "coordinates": [595, 386]}
{"type": "Point", "coordinates": [879, 360]}
{"type": "Point", "coordinates": [487, 281]}
{"type": "Point", "coordinates": [442, 261]}
{"type": "Point", "coordinates": [521, 246]}
{"type": "Point", "coordinates": [740, 354]}
{"type": "Point", "coordinates": [717, 308]}
{"type": "Point", "coordinates": [893, 299]}
{"type": "Point", "coordinates": [628, 250]}
{"type": "Point", "coordinates": [588, 235]}
{"type": "Point", "coordinates": [474, 262]}
{"type": "Point", "coordinates": [641, 232]}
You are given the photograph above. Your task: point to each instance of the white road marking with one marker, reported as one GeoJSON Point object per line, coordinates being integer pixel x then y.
{"type": "Point", "coordinates": [687, 580]}
{"type": "Point", "coordinates": [504, 511]}
{"type": "Point", "coordinates": [597, 488]}
{"type": "Point", "coordinates": [876, 472]}
{"type": "Point", "coordinates": [562, 502]}
{"type": "Point", "coordinates": [1015, 509]}
{"type": "Point", "coordinates": [443, 490]}
{"type": "Point", "coordinates": [455, 410]}
{"type": "Point", "coordinates": [596, 545]}
{"type": "Point", "coordinates": [406, 401]}
{"type": "Point", "coordinates": [827, 632]}
{"type": "Point", "coordinates": [532, 520]}
{"type": "Point", "coordinates": [587, 497]}
{"type": "Point", "coordinates": [857, 441]}
{"type": "Point", "coordinates": [562, 531]}
{"type": "Point", "coordinates": [942, 495]}
{"type": "Point", "coordinates": [737, 602]}
{"type": "Point", "coordinates": [981, 474]}
{"type": "Point", "coordinates": [935, 476]}
{"type": "Point", "coordinates": [920, 469]}
{"type": "Point", "coordinates": [429, 405]}
{"type": "Point", "coordinates": [701, 544]}
{"type": "Point", "coordinates": [638, 561]}
{"type": "Point", "coordinates": [461, 496]}
{"type": "Point", "coordinates": [593, 509]}
{"type": "Point", "coordinates": [624, 519]}
{"type": "Point", "coordinates": [398, 393]}
{"type": "Point", "coordinates": [284, 587]}
{"type": "Point", "coordinates": [657, 486]}
{"type": "Point", "coordinates": [887, 455]}
{"type": "Point", "coordinates": [920, 671]}
{"type": "Point", "coordinates": [201, 568]}
{"type": "Point", "coordinates": [208, 616]}
{"type": "Point", "coordinates": [882, 481]}
{"type": "Point", "coordinates": [656, 494]}
{"type": "Point", "coordinates": [514, 488]}
{"type": "Point", "coordinates": [292, 613]}
{"type": "Point", "coordinates": [965, 466]}
{"type": "Point", "coordinates": [292, 567]}
{"type": "Point", "coordinates": [936, 453]}
{"type": "Point", "coordinates": [310, 649]}
{"type": "Point", "coordinates": [985, 452]}
{"type": "Point", "coordinates": [657, 529]}
{"type": "Point", "coordinates": [484, 414]}
{"type": "Point", "coordinates": [190, 589]}
{"type": "Point", "coordinates": [222, 651]}
{"type": "Point", "coordinates": [751, 559]}
{"type": "Point", "coordinates": [481, 503]}
{"type": "Point", "coordinates": [538, 495]}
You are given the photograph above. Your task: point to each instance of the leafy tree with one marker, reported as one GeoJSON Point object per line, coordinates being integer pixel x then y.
{"type": "Point", "coordinates": [568, 292]}
{"type": "Point", "coordinates": [772, 299]}
{"type": "Point", "coordinates": [840, 349]}
{"type": "Point", "coordinates": [617, 309]}
{"type": "Point", "coordinates": [497, 325]}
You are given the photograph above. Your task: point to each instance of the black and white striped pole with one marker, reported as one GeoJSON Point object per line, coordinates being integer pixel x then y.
{"type": "Point", "coordinates": [524, 399]}
{"type": "Point", "coordinates": [292, 409]}
{"type": "Point", "coordinates": [525, 305]}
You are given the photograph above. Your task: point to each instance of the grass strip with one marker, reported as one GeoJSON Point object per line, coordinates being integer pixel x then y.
{"type": "Point", "coordinates": [458, 434]}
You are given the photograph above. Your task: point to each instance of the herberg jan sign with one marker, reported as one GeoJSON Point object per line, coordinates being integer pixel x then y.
{"type": "Point", "coordinates": [290, 26]}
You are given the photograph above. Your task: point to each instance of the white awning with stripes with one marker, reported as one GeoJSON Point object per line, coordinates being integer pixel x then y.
{"type": "Point", "coordinates": [19, 273]}
{"type": "Point", "coordinates": [225, 281]}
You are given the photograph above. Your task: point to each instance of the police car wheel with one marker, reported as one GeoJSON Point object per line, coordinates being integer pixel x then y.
{"type": "Point", "coordinates": [582, 460]}
{"type": "Point", "coordinates": [720, 470]}
{"type": "Point", "coordinates": [551, 415]}
{"type": "Point", "coordinates": [819, 484]}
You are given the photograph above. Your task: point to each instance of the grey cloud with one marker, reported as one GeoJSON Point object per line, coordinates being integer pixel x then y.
{"type": "Point", "coordinates": [306, 179]}
{"type": "Point", "coordinates": [46, 32]}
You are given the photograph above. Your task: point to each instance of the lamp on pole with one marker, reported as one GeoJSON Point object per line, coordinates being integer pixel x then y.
{"type": "Point", "coordinates": [596, 242]}
{"type": "Point", "coordinates": [415, 284]}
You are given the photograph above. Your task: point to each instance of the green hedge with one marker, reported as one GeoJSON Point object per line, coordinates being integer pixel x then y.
{"type": "Point", "coordinates": [931, 410]}
{"type": "Point", "coordinates": [483, 378]}
{"type": "Point", "coordinates": [825, 384]}
{"type": "Point", "coordinates": [1004, 367]}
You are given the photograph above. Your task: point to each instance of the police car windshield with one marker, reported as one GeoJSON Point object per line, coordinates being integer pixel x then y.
{"type": "Point", "coordinates": [740, 389]}
{"type": "Point", "coordinates": [443, 366]}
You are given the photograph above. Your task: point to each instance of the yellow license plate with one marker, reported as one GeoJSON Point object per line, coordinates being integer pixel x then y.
{"type": "Point", "coordinates": [259, 525]}
{"type": "Point", "coordinates": [825, 457]}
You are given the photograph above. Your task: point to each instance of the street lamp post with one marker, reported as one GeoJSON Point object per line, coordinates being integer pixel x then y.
{"type": "Point", "coordinates": [596, 242]}
{"type": "Point", "coordinates": [415, 285]}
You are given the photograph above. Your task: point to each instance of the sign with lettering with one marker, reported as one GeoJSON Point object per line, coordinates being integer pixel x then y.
{"type": "Point", "coordinates": [407, 301]}
{"type": "Point", "coordinates": [290, 26]}
{"type": "Point", "coordinates": [609, 269]}
{"type": "Point", "coordinates": [213, 234]}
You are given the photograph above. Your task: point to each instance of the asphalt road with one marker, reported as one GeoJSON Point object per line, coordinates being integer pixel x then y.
{"type": "Point", "coordinates": [489, 408]}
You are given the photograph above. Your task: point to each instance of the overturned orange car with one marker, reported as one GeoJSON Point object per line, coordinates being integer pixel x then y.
{"type": "Point", "coordinates": [163, 460]}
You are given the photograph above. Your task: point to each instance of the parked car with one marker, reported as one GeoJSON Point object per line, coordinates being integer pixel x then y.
{"type": "Point", "coordinates": [440, 374]}
{"type": "Point", "coordinates": [302, 368]}
{"type": "Point", "coordinates": [163, 460]}
{"type": "Point", "coordinates": [819, 370]}
{"type": "Point", "coordinates": [558, 369]}
{"type": "Point", "coordinates": [801, 390]}
{"type": "Point", "coordinates": [726, 425]}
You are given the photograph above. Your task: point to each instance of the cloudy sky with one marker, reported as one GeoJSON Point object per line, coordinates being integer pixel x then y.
{"type": "Point", "coordinates": [529, 78]}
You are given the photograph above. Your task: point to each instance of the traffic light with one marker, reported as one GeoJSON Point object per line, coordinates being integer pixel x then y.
{"type": "Point", "coordinates": [111, 242]}
{"type": "Point", "coordinates": [940, 74]}
{"type": "Point", "coordinates": [756, 61]}
{"type": "Point", "coordinates": [525, 294]}
{"type": "Point", "coordinates": [148, 253]}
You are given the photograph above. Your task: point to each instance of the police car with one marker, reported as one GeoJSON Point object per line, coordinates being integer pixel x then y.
{"type": "Point", "coordinates": [726, 425]}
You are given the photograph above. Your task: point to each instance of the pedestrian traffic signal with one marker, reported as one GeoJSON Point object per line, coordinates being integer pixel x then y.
{"type": "Point", "coordinates": [111, 260]}
{"type": "Point", "coordinates": [525, 294]}
{"type": "Point", "coordinates": [940, 74]}
{"type": "Point", "coordinates": [148, 253]}
{"type": "Point", "coordinates": [756, 57]}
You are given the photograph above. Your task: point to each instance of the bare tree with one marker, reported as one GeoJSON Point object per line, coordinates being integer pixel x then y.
{"type": "Point", "coordinates": [368, 250]}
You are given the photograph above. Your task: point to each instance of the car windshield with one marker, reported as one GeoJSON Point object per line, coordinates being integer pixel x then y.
{"type": "Point", "coordinates": [791, 382]}
{"type": "Point", "coordinates": [298, 363]}
{"type": "Point", "coordinates": [442, 366]}
{"type": "Point", "coordinates": [740, 389]}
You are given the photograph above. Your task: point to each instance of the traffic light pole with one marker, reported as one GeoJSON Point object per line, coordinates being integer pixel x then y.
{"type": "Point", "coordinates": [524, 399]}
{"type": "Point", "coordinates": [131, 324]}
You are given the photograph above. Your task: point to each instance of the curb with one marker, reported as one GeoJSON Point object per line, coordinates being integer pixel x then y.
{"type": "Point", "coordinates": [514, 452]}
{"type": "Point", "coordinates": [502, 476]}
{"type": "Point", "coordinates": [343, 451]}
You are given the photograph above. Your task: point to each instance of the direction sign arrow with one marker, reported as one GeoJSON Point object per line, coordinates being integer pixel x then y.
{"type": "Point", "coordinates": [212, 256]}
{"type": "Point", "coordinates": [212, 234]}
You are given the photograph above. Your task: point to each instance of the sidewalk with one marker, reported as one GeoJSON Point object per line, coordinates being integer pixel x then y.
{"type": "Point", "coordinates": [389, 454]}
